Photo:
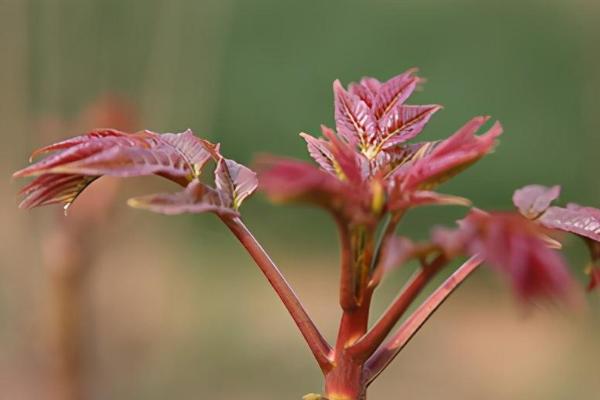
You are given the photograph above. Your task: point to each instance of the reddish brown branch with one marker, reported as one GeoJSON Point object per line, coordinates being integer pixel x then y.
{"type": "Point", "coordinates": [386, 353]}
{"type": "Point", "coordinates": [316, 342]}
{"type": "Point", "coordinates": [366, 345]}
{"type": "Point", "coordinates": [347, 299]}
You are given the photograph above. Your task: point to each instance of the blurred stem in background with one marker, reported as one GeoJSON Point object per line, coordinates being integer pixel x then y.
{"type": "Point", "coordinates": [69, 253]}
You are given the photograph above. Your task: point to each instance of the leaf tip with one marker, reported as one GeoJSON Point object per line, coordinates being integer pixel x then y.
{"type": "Point", "coordinates": [337, 87]}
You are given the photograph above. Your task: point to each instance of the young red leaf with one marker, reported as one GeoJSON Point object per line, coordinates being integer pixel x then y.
{"type": "Point", "coordinates": [196, 198]}
{"type": "Point", "coordinates": [234, 181]}
{"type": "Point", "coordinates": [320, 151]}
{"type": "Point", "coordinates": [350, 165]}
{"type": "Point", "coordinates": [424, 197]}
{"type": "Point", "coordinates": [178, 157]}
{"type": "Point", "coordinates": [582, 221]}
{"type": "Point", "coordinates": [71, 142]}
{"type": "Point", "coordinates": [404, 122]}
{"type": "Point", "coordinates": [397, 160]}
{"type": "Point", "coordinates": [354, 119]}
{"type": "Point", "coordinates": [286, 180]}
{"type": "Point", "coordinates": [533, 200]}
{"type": "Point", "coordinates": [54, 188]}
{"type": "Point", "coordinates": [76, 162]}
{"type": "Point", "coordinates": [451, 156]}
{"type": "Point", "coordinates": [394, 92]}
{"type": "Point", "coordinates": [363, 92]}
{"type": "Point", "coordinates": [514, 246]}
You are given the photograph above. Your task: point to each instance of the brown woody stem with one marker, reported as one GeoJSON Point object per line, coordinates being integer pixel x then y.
{"type": "Point", "coordinates": [316, 342]}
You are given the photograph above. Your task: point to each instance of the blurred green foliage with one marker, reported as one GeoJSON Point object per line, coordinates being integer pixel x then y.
{"type": "Point", "coordinates": [252, 74]}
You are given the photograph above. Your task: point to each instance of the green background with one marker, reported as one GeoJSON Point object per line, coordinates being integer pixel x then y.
{"type": "Point", "coordinates": [196, 320]}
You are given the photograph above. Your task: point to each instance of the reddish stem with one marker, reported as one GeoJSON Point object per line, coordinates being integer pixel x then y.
{"type": "Point", "coordinates": [347, 299]}
{"type": "Point", "coordinates": [315, 340]}
{"type": "Point", "coordinates": [366, 345]}
{"type": "Point", "coordinates": [345, 380]}
{"type": "Point", "coordinates": [386, 353]}
{"type": "Point", "coordinates": [388, 233]}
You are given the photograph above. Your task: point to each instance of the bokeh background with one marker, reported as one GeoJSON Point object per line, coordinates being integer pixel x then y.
{"type": "Point", "coordinates": [131, 305]}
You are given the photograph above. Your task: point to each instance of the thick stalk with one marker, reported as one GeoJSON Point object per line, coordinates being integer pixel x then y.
{"type": "Point", "coordinates": [347, 300]}
{"type": "Point", "coordinates": [366, 345]}
{"type": "Point", "coordinates": [345, 381]}
{"type": "Point", "coordinates": [317, 344]}
{"type": "Point", "coordinates": [389, 350]}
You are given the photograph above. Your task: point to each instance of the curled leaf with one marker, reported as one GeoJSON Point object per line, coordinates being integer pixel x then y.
{"type": "Point", "coordinates": [195, 198]}
{"type": "Point", "coordinates": [234, 181]}
{"type": "Point", "coordinates": [54, 188]}
{"type": "Point", "coordinates": [533, 200]}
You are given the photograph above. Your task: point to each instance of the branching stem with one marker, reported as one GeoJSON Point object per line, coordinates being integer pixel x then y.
{"type": "Point", "coordinates": [390, 349]}
{"type": "Point", "coordinates": [347, 299]}
{"type": "Point", "coordinates": [318, 345]}
{"type": "Point", "coordinates": [366, 345]}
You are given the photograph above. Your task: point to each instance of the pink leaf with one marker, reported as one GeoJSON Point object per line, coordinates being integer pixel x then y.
{"type": "Point", "coordinates": [403, 200]}
{"type": "Point", "coordinates": [175, 156]}
{"type": "Point", "coordinates": [514, 246]}
{"type": "Point", "coordinates": [399, 159]}
{"type": "Point", "coordinates": [54, 188]}
{"type": "Point", "coordinates": [320, 151]}
{"type": "Point", "coordinates": [196, 198]}
{"type": "Point", "coordinates": [452, 155]}
{"type": "Point", "coordinates": [394, 92]}
{"type": "Point", "coordinates": [234, 181]}
{"type": "Point", "coordinates": [350, 165]}
{"type": "Point", "coordinates": [292, 180]}
{"type": "Point", "coordinates": [287, 180]}
{"type": "Point", "coordinates": [353, 117]}
{"type": "Point", "coordinates": [363, 92]}
{"type": "Point", "coordinates": [533, 200]}
{"type": "Point", "coordinates": [76, 162]}
{"type": "Point", "coordinates": [403, 123]}
{"type": "Point", "coordinates": [583, 221]}
{"type": "Point", "coordinates": [65, 144]}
